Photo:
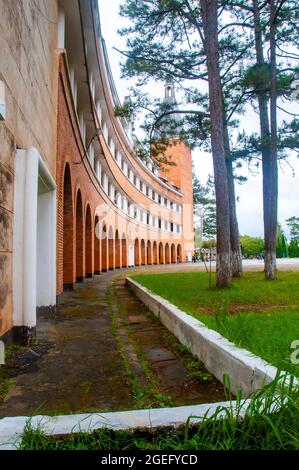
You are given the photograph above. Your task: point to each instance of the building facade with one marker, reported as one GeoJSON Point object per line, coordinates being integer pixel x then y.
{"type": "Point", "coordinates": [75, 200]}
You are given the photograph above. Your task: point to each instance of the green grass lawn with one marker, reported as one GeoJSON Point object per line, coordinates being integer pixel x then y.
{"type": "Point", "coordinates": [258, 315]}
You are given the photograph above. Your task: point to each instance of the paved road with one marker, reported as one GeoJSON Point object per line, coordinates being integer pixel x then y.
{"type": "Point", "coordinates": [285, 264]}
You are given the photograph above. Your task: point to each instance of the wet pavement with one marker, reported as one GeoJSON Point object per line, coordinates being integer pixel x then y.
{"type": "Point", "coordinates": [102, 351]}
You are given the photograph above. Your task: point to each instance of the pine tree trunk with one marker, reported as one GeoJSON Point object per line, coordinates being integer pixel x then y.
{"type": "Point", "coordinates": [270, 261]}
{"type": "Point", "coordinates": [236, 255]}
{"type": "Point", "coordinates": [269, 159]}
{"type": "Point", "coordinates": [209, 17]}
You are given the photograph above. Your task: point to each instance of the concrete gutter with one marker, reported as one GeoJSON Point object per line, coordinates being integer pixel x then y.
{"type": "Point", "coordinates": [246, 371]}
{"type": "Point", "coordinates": [11, 429]}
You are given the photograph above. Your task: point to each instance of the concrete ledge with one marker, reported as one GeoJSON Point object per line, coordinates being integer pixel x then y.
{"type": "Point", "coordinates": [246, 371]}
{"type": "Point", "coordinates": [11, 429]}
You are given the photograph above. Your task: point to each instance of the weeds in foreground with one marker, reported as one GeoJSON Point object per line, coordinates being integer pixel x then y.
{"type": "Point", "coordinates": [267, 421]}
{"type": "Point", "coordinates": [5, 384]}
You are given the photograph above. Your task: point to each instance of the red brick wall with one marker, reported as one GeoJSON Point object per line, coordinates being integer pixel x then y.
{"type": "Point", "coordinates": [181, 173]}
{"type": "Point", "coordinates": [77, 245]}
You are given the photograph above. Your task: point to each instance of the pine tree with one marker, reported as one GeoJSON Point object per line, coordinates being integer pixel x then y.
{"type": "Point", "coordinates": [293, 223]}
{"type": "Point", "coordinates": [204, 197]}
{"type": "Point", "coordinates": [273, 25]}
{"type": "Point", "coordinates": [169, 39]}
{"type": "Point", "coordinates": [293, 248]}
{"type": "Point", "coordinates": [281, 245]}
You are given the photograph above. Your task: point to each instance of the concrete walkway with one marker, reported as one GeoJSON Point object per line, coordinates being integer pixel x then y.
{"type": "Point", "coordinates": [75, 360]}
{"type": "Point", "coordinates": [102, 351]}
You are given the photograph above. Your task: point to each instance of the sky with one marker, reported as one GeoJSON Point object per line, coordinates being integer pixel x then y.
{"type": "Point", "coordinates": [249, 194]}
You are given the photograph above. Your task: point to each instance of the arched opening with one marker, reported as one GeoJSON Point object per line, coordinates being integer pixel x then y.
{"type": "Point", "coordinates": [104, 246]}
{"type": "Point", "coordinates": [161, 257]}
{"type": "Point", "coordinates": [173, 257]}
{"type": "Point", "coordinates": [124, 254]}
{"type": "Point", "coordinates": [117, 251]}
{"type": "Point", "coordinates": [143, 253]}
{"type": "Point", "coordinates": [136, 253]}
{"type": "Point", "coordinates": [167, 254]}
{"type": "Point", "coordinates": [88, 243]}
{"type": "Point", "coordinates": [79, 238]}
{"type": "Point", "coordinates": [155, 253]}
{"type": "Point", "coordinates": [179, 254]}
{"type": "Point", "coordinates": [97, 255]}
{"type": "Point", "coordinates": [68, 231]}
{"type": "Point", "coordinates": [149, 253]}
{"type": "Point", "coordinates": [111, 249]}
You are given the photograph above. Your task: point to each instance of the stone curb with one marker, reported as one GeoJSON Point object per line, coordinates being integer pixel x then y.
{"type": "Point", "coordinates": [11, 429]}
{"type": "Point", "coordinates": [246, 371]}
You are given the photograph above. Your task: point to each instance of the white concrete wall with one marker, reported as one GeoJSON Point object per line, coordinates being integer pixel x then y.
{"type": "Point", "coordinates": [61, 29]}
{"type": "Point", "coordinates": [131, 255]}
{"type": "Point", "coordinates": [34, 241]}
{"type": "Point", "coordinates": [29, 71]}
{"type": "Point", "coordinates": [112, 147]}
{"type": "Point", "coordinates": [119, 159]}
{"type": "Point", "coordinates": [46, 249]}
{"type": "Point", "coordinates": [105, 131]}
{"type": "Point", "coordinates": [98, 170]}
{"type": "Point", "coordinates": [106, 183]}
{"type": "Point", "coordinates": [99, 112]}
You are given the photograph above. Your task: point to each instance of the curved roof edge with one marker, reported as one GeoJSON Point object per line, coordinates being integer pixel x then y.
{"type": "Point", "coordinates": [117, 102]}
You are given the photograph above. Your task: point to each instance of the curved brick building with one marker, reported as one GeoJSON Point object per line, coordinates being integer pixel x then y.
{"type": "Point", "coordinates": [78, 202]}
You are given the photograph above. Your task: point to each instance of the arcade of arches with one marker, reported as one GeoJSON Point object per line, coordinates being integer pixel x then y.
{"type": "Point", "coordinates": [91, 245]}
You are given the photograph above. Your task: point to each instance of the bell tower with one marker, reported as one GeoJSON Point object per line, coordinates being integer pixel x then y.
{"type": "Point", "coordinates": [180, 173]}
